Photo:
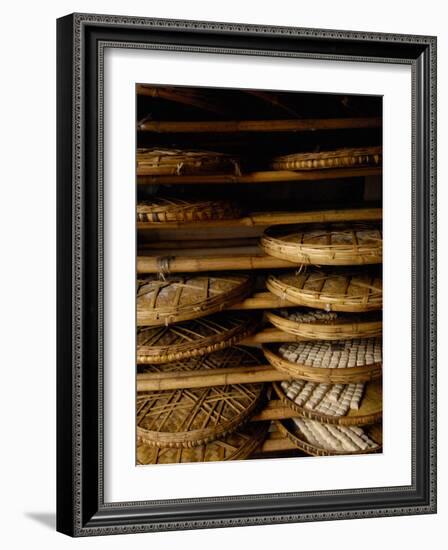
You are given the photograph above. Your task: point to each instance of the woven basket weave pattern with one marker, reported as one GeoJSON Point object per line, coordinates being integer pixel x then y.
{"type": "Point", "coordinates": [330, 244]}
{"type": "Point", "coordinates": [176, 162]}
{"type": "Point", "coordinates": [330, 290]}
{"type": "Point", "coordinates": [369, 412]}
{"type": "Point", "coordinates": [348, 157]}
{"type": "Point", "coordinates": [191, 417]}
{"type": "Point", "coordinates": [316, 362]}
{"type": "Point", "coordinates": [299, 439]}
{"type": "Point", "coordinates": [175, 299]}
{"type": "Point", "coordinates": [166, 210]}
{"type": "Point", "coordinates": [236, 446]}
{"type": "Point", "coordinates": [313, 326]}
{"type": "Point", "coordinates": [192, 338]}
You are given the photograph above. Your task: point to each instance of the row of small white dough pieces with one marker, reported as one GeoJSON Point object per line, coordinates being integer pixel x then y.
{"type": "Point", "coordinates": [335, 438]}
{"type": "Point", "coordinates": [329, 399]}
{"type": "Point", "coordinates": [339, 354]}
{"type": "Point", "coordinates": [309, 316]}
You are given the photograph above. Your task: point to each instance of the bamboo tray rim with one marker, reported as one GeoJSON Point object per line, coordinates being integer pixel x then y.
{"type": "Point", "coordinates": [289, 430]}
{"type": "Point", "coordinates": [318, 374]}
{"type": "Point", "coordinates": [193, 438]}
{"type": "Point", "coordinates": [196, 348]}
{"type": "Point", "coordinates": [260, 430]}
{"type": "Point", "coordinates": [324, 330]}
{"type": "Point", "coordinates": [354, 419]}
{"type": "Point", "coordinates": [324, 299]}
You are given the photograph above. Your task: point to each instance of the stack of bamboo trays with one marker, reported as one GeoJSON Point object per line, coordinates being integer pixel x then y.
{"type": "Point", "coordinates": [336, 371]}
{"type": "Point", "coordinates": [201, 395]}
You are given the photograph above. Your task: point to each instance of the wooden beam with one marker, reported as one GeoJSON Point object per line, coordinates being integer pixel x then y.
{"type": "Point", "coordinates": [267, 176]}
{"type": "Point", "coordinates": [265, 219]}
{"type": "Point", "coordinates": [282, 125]}
{"type": "Point", "coordinates": [205, 378]}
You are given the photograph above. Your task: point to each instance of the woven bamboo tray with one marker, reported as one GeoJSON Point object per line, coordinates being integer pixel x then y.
{"type": "Point", "coordinates": [176, 162]}
{"type": "Point", "coordinates": [370, 410]}
{"type": "Point", "coordinates": [325, 244]}
{"type": "Point", "coordinates": [323, 325]}
{"type": "Point", "coordinates": [331, 289]}
{"type": "Point", "coordinates": [236, 446]}
{"type": "Point", "coordinates": [339, 158]}
{"type": "Point", "coordinates": [181, 298]}
{"type": "Point", "coordinates": [335, 362]}
{"type": "Point", "coordinates": [193, 338]}
{"type": "Point", "coordinates": [194, 416]}
{"type": "Point", "coordinates": [166, 210]}
{"type": "Point", "coordinates": [292, 432]}
{"type": "Point", "coordinates": [233, 357]}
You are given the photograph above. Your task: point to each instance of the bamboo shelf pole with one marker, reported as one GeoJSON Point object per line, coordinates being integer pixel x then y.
{"type": "Point", "coordinates": [280, 444]}
{"type": "Point", "coordinates": [268, 176]}
{"type": "Point", "coordinates": [262, 300]}
{"type": "Point", "coordinates": [274, 410]}
{"type": "Point", "coordinates": [234, 126]}
{"type": "Point", "coordinates": [265, 219]}
{"type": "Point", "coordinates": [271, 336]}
{"type": "Point", "coordinates": [259, 300]}
{"type": "Point", "coordinates": [205, 378]}
{"type": "Point", "coordinates": [191, 264]}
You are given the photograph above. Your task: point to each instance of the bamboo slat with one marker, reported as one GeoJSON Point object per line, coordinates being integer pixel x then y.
{"type": "Point", "coordinates": [185, 96]}
{"type": "Point", "coordinates": [146, 177]}
{"type": "Point", "coordinates": [265, 219]}
{"type": "Point", "coordinates": [202, 378]}
{"type": "Point", "coordinates": [262, 300]}
{"type": "Point", "coordinates": [283, 125]}
{"type": "Point", "coordinates": [192, 264]}
{"type": "Point", "coordinates": [270, 335]}
{"type": "Point", "coordinates": [274, 410]}
{"type": "Point", "coordinates": [277, 443]}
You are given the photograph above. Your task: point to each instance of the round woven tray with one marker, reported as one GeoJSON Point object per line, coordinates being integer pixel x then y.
{"type": "Point", "coordinates": [325, 244]}
{"type": "Point", "coordinates": [177, 162]}
{"type": "Point", "coordinates": [347, 157]}
{"type": "Point", "coordinates": [195, 416]}
{"type": "Point", "coordinates": [230, 357]}
{"type": "Point", "coordinates": [321, 325]}
{"type": "Point", "coordinates": [162, 210]}
{"type": "Point", "coordinates": [290, 430]}
{"type": "Point", "coordinates": [331, 289]}
{"type": "Point", "coordinates": [193, 338]}
{"type": "Point", "coordinates": [180, 298]}
{"type": "Point", "coordinates": [329, 362]}
{"type": "Point", "coordinates": [369, 412]}
{"type": "Point", "coordinates": [236, 446]}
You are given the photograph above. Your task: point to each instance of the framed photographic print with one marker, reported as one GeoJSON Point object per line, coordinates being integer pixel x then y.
{"type": "Point", "coordinates": [246, 275]}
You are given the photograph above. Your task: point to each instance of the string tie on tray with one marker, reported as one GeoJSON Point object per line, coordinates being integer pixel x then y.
{"type": "Point", "coordinates": [163, 264]}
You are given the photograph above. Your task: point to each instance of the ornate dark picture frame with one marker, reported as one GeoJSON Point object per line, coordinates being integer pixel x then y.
{"type": "Point", "coordinates": [81, 40]}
